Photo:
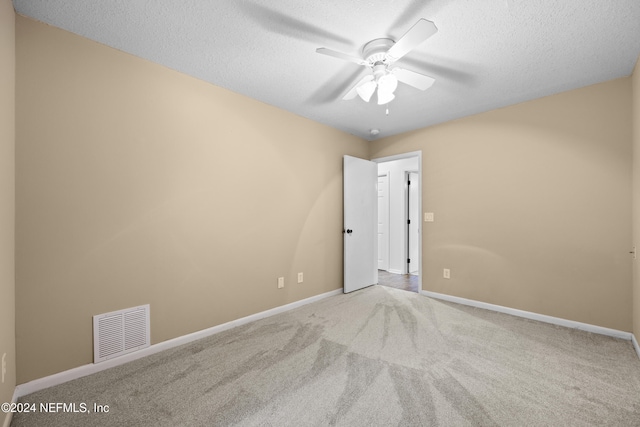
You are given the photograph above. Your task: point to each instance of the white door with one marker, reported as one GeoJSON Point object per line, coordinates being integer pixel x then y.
{"type": "Point", "coordinates": [360, 223]}
{"type": "Point", "coordinates": [413, 237]}
{"type": "Point", "coordinates": [383, 222]}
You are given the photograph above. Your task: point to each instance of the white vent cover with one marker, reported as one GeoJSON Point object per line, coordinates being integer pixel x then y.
{"type": "Point", "coordinates": [120, 332]}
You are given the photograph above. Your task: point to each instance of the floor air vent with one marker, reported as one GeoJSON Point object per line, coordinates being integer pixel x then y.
{"type": "Point", "coordinates": [120, 332]}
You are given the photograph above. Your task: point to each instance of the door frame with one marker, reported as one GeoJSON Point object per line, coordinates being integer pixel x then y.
{"type": "Point", "coordinates": [386, 225]}
{"type": "Point", "coordinates": [402, 156]}
{"type": "Point", "coordinates": [408, 208]}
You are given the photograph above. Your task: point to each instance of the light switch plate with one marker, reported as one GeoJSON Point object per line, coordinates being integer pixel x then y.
{"type": "Point", "coordinates": [428, 217]}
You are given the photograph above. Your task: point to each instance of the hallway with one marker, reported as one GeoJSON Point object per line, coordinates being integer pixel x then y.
{"type": "Point", "coordinates": [406, 282]}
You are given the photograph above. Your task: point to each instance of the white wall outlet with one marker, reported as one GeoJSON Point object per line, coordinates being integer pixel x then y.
{"type": "Point", "coordinates": [446, 273]}
{"type": "Point", "coordinates": [428, 217]}
{"type": "Point", "coordinates": [4, 366]}
{"type": "Point", "coordinates": [300, 277]}
{"type": "Point", "coordinates": [280, 282]}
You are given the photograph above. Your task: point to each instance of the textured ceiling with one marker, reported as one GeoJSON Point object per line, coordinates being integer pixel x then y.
{"type": "Point", "coordinates": [486, 53]}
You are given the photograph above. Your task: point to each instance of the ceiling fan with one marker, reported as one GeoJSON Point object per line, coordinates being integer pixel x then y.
{"type": "Point", "coordinates": [379, 55]}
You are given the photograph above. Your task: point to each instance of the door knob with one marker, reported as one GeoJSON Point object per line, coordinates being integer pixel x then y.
{"type": "Point", "coordinates": [349, 231]}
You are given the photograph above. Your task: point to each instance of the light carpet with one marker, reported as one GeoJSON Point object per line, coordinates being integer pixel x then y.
{"type": "Point", "coordinates": [376, 357]}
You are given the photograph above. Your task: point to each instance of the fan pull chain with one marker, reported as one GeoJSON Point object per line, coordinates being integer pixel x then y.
{"type": "Point", "coordinates": [387, 110]}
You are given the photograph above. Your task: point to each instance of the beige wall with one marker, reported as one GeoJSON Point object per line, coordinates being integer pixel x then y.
{"type": "Point", "coordinates": [636, 198]}
{"type": "Point", "coordinates": [532, 204]}
{"type": "Point", "coordinates": [137, 184]}
{"type": "Point", "coordinates": [7, 198]}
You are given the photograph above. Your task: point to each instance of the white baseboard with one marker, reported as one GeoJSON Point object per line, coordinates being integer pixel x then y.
{"type": "Point", "coordinates": [635, 344]}
{"type": "Point", "coordinates": [92, 368]}
{"type": "Point", "coordinates": [394, 271]}
{"type": "Point", "coordinates": [535, 316]}
{"type": "Point", "coordinates": [9, 416]}
{"type": "Point", "coordinates": [7, 419]}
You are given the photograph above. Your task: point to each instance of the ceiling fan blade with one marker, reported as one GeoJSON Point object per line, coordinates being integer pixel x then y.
{"type": "Point", "coordinates": [417, 80]}
{"type": "Point", "coordinates": [278, 22]}
{"type": "Point", "coordinates": [340, 55]}
{"type": "Point", "coordinates": [353, 91]}
{"type": "Point", "coordinates": [421, 31]}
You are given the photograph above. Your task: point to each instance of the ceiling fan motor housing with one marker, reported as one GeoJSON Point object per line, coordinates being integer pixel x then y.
{"type": "Point", "coordinates": [375, 51]}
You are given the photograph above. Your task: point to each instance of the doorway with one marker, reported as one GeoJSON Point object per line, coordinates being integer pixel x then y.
{"type": "Point", "coordinates": [399, 228]}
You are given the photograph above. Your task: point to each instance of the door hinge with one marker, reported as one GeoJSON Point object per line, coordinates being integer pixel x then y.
{"type": "Point", "coordinates": [408, 221]}
{"type": "Point", "coordinates": [408, 260]}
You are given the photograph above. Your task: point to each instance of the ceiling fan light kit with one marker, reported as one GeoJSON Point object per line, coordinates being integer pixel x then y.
{"type": "Point", "coordinates": [365, 90]}
{"type": "Point", "coordinates": [387, 84]}
{"type": "Point", "coordinates": [379, 55]}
